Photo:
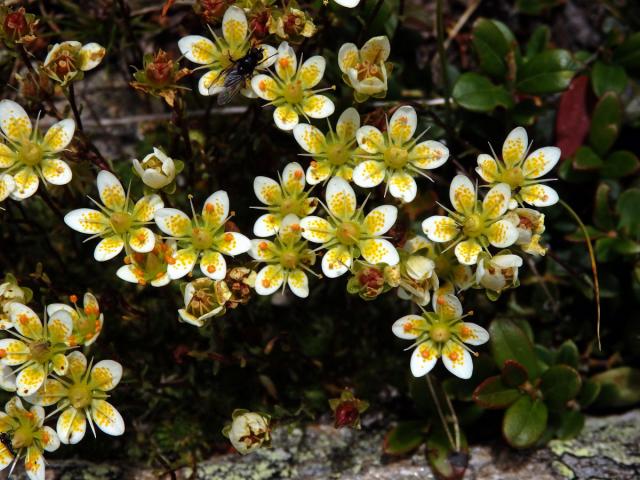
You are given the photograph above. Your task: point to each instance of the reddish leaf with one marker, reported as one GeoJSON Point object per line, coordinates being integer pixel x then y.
{"type": "Point", "coordinates": [572, 121]}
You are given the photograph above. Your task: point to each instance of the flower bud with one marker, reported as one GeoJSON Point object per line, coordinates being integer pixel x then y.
{"type": "Point", "coordinates": [248, 431]}
{"type": "Point", "coordinates": [419, 267]}
{"type": "Point", "coordinates": [203, 299]}
{"type": "Point", "coordinates": [212, 11]}
{"type": "Point", "coordinates": [366, 70]}
{"type": "Point", "coordinates": [157, 170]}
{"type": "Point", "coordinates": [347, 410]}
{"type": "Point", "coordinates": [67, 61]}
{"type": "Point", "coordinates": [17, 26]}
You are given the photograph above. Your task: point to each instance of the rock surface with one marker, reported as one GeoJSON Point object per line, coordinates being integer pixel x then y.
{"type": "Point", "coordinates": [608, 448]}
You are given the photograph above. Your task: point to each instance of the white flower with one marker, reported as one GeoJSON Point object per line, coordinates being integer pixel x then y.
{"type": "Point", "coordinates": [498, 272]}
{"type": "Point", "coordinates": [203, 299]}
{"type": "Point", "coordinates": [521, 171]}
{"type": "Point", "coordinates": [120, 223]}
{"type": "Point", "coordinates": [157, 170]}
{"type": "Point", "coordinates": [248, 431]}
{"type": "Point", "coordinates": [26, 157]}
{"type": "Point", "coordinates": [348, 234]}
{"type": "Point", "coordinates": [441, 333]}
{"type": "Point", "coordinates": [366, 70]}
{"type": "Point", "coordinates": [67, 61]}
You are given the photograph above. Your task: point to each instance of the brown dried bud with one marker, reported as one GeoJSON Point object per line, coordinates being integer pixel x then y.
{"type": "Point", "coordinates": [15, 24]}
{"type": "Point", "coordinates": [347, 410]}
{"type": "Point", "coordinates": [160, 70]}
{"type": "Point", "coordinates": [212, 11]}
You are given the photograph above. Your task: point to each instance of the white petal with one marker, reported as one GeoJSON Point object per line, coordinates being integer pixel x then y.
{"type": "Point", "coordinates": [126, 273]}
{"type": "Point", "coordinates": [487, 167]}
{"type": "Point", "coordinates": [379, 220]}
{"type": "Point", "coordinates": [440, 228]}
{"type": "Point", "coordinates": [369, 174]}
{"type": "Point", "coordinates": [336, 262]}
{"type": "Point", "coordinates": [266, 225]}
{"type": "Point", "coordinates": [142, 240]}
{"type": "Point", "coordinates": [298, 283]}
{"type": "Point", "coordinates": [402, 124]}
{"type": "Point", "coordinates": [312, 71]}
{"type": "Point", "coordinates": [507, 261]}
{"type": "Point", "coordinates": [286, 63]}
{"type": "Point", "coordinates": [185, 259]}
{"type": "Point", "coordinates": [403, 186]}
{"type": "Point", "coordinates": [172, 221]}
{"type": "Point", "coordinates": [405, 327]}
{"type": "Point", "coordinates": [54, 442]}
{"type": "Point", "coordinates": [310, 138]}
{"type": "Point", "coordinates": [348, 124]}
{"type": "Point", "coordinates": [515, 146]}
{"type": "Point", "coordinates": [447, 306]}
{"type": "Point", "coordinates": [429, 155]}
{"type": "Point", "coordinates": [293, 177]}
{"type": "Point", "coordinates": [341, 199]}
{"type": "Point", "coordinates": [197, 49]}
{"type": "Point", "coordinates": [108, 248]}
{"type": "Point", "coordinates": [14, 121]}
{"type": "Point", "coordinates": [462, 194]}
{"type": "Point", "coordinates": [234, 243]}
{"type": "Point", "coordinates": [467, 252]}
{"type": "Point", "coordinates": [59, 135]}
{"type": "Point", "coordinates": [216, 207]}
{"type": "Point", "coordinates": [146, 207]}
{"type": "Point", "coordinates": [423, 359]}
{"type": "Point", "coordinates": [473, 334]}
{"type": "Point", "coordinates": [7, 185]}
{"type": "Point", "coordinates": [496, 202]}
{"type": "Point", "coordinates": [539, 195]}
{"type": "Point", "coordinates": [106, 374]}
{"type": "Point", "coordinates": [541, 162]}
{"type": "Point", "coordinates": [30, 379]}
{"type": "Point", "coordinates": [370, 139]}
{"type": "Point", "coordinates": [502, 234]}
{"type": "Point", "coordinates": [91, 55]}
{"type": "Point", "coordinates": [457, 360]}
{"type": "Point", "coordinates": [26, 184]}
{"type": "Point", "coordinates": [71, 426]}
{"type": "Point", "coordinates": [86, 220]}
{"type": "Point", "coordinates": [234, 26]}
{"type": "Point", "coordinates": [267, 190]}
{"type": "Point", "coordinates": [211, 83]}
{"type": "Point", "coordinates": [261, 250]}
{"type": "Point", "coordinates": [318, 106]}
{"type": "Point", "coordinates": [269, 279]}
{"type": "Point", "coordinates": [213, 265]}
{"type": "Point", "coordinates": [316, 229]}
{"type": "Point", "coordinates": [110, 190]}
{"type": "Point", "coordinates": [107, 418]}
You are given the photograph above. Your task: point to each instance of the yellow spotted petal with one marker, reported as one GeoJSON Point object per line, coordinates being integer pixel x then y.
{"type": "Point", "coordinates": [319, 171]}
{"type": "Point", "coordinates": [369, 174]}
{"type": "Point", "coordinates": [502, 234]}
{"type": "Point", "coordinates": [262, 250]}
{"type": "Point", "coordinates": [440, 229]}
{"type": "Point", "coordinates": [341, 199]}
{"type": "Point", "coordinates": [211, 82]}
{"type": "Point", "coordinates": [496, 202]}
{"type": "Point", "coordinates": [233, 243]}
{"type": "Point", "coordinates": [267, 190]}
{"type": "Point", "coordinates": [539, 195]}
{"type": "Point", "coordinates": [379, 220]}
{"type": "Point", "coordinates": [30, 379]}
{"type": "Point", "coordinates": [403, 186]}
{"type": "Point", "coordinates": [216, 208]}
{"type": "Point", "coordinates": [7, 185]}
{"type": "Point", "coordinates": [447, 305]}
{"type": "Point", "coordinates": [269, 279]}
{"type": "Point", "coordinates": [471, 333]}
{"type": "Point", "coordinates": [462, 194]}
{"type": "Point", "coordinates": [286, 62]}
{"type": "Point", "coordinates": [60, 326]}
{"type": "Point", "coordinates": [467, 252]}
{"type": "Point", "coordinates": [26, 184]}
{"type": "Point", "coordinates": [142, 240]}
{"type": "Point", "coordinates": [379, 250]}
{"type": "Point", "coordinates": [26, 322]}
{"type": "Point", "coordinates": [14, 121]}
{"type": "Point", "coordinates": [293, 178]}
{"type": "Point", "coordinates": [59, 364]}
{"type": "Point", "coordinates": [348, 57]}
{"type": "Point", "coordinates": [348, 124]}
{"type": "Point", "coordinates": [90, 56]}
{"type": "Point", "coordinates": [285, 117]}
{"type": "Point", "coordinates": [312, 71]}
{"type": "Point", "coordinates": [487, 168]}
{"type": "Point", "coordinates": [376, 49]}
{"type": "Point", "coordinates": [172, 222]}
{"type": "Point", "coordinates": [402, 124]}
{"type": "Point", "coordinates": [146, 207]}
{"type": "Point", "coordinates": [213, 265]}
{"type": "Point", "coordinates": [316, 229]}
{"type": "Point", "coordinates": [370, 139]}
{"type": "Point", "coordinates": [71, 426]}
{"type": "Point", "coordinates": [107, 418]}
{"type": "Point", "coordinates": [59, 135]}
{"type": "Point", "coordinates": [515, 146]}
{"type": "Point", "coordinates": [310, 138]}
{"type": "Point", "coordinates": [51, 392]}
{"type": "Point", "coordinates": [110, 190]}
{"type": "Point", "coordinates": [108, 248]}
{"type": "Point", "coordinates": [77, 364]}
{"type": "Point", "coordinates": [6, 457]}
{"type": "Point", "coordinates": [198, 49]}
{"type": "Point", "coordinates": [457, 360]}
{"type": "Point", "coordinates": [234, 26]}
{"type": "Point", "coordinates": [429, 155]}
{"type": "Point", "coordinates": [7, 156]}
{"type": "Point", "coordinates": [34, 464]}
{"type": "Point", "coordinates": [336, 262]}
{"type": "Point", "coordinates": [105, 375]}
{"type": "Point", "coordinates": [265, 87]}
{"type": "Point", "coordinates": [409, 327]}
{"type": "Point", "coordinates": [541, 161]}
{"type": "Point", "coordinates": [266, 225]}
{"type": "Point", "coordinates": [424, 358]}
{"type": "Point", "coordinates": [298, 283]}
{"type": "Point", "coordinates": [56, 172]}
{"type": "Point", "coordinates": [318, 106]}
{"type": "Point", "coordinates": [184, 260]}
{"type": "Point", "coordinates": [13, 352]}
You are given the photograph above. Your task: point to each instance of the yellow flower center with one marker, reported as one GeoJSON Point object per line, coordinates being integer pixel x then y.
{"type": "Point", "coordinates": [80, 395]}
{"type": "Point", "coordinates": [201, 239]}
{"type": "Point", "coordinates": [440, 332]}
{"type": "Point", "coordinates": [472, 226]}
{"type": "Point", "coordinates": [366, 69]}
{"type": "Point", "coordinates": [337, 154]}
{"type": "Point", "coordinates": [514, 177]}
{"type": "Point", "coordinates": [289, 260]}
{"type": "Point", "coordinates": [396, 157]}
{"type": "Point", "coordinates": [22, 437]}
{"type": "Point", "coordinates": [153, 162]}
{"type": "Point", "coordinates": [121, 222]}
{"type": "Point", "coordinates": [348, 233]}
{"type": "Point", "coordinates": [40, 351]}
{"type": "Point", "coordinates": [293, 92]}
{"type": "Point", "coordinates": [30, 153]}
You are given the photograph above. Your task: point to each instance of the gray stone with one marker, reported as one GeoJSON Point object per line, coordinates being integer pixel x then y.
{"type": "Point", "coordinates": [608, 448]}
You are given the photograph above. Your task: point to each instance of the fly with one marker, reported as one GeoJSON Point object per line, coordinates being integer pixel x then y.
{"type": "Point", "coordinates": [236, 76]}
{"type": "Point", "coordinates": [5, 439]}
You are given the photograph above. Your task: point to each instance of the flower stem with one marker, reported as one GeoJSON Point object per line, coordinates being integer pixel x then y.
{"type": "Point", "coordinates": [443, 419]}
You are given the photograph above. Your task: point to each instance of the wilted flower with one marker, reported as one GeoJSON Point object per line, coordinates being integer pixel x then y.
{"type": "Point", "coordinates": [10, 291]}
{"type": "Point", "coordinates": [348, 233]}
{"type": "Point", "coordinates": [241, 281]}
{"type": "Point", "coordinates": [151, 267]}
{"type": "Point", "coordinates": [287, 257]}
{"type": "Point", "coordinates": [366, 70]}
{"type": "Point", "coordinates": [498, 273]}
{"type": "Point", "coordinates": [291, 24]}
{"type": "Point", "coordinates": [521, 171]}
{"type": "Point", "coordinates": [282, 199]}
{"type": "Point", "coordinates": [38, 349]}
{"type": "Point", "coordinates": [334, 154]}
{"type": "Point", "coordinates": [347, 410]}
{"type": "Point", "coordinates": [219, 56]}
{"type": "Point", "coordinates": [290, 90]}
{"type": "Point", "coordinates": [67, 61]}
{"type": "Point", "coordinates": [160, 76]}
{"type": "Point", "coordinates": [157, 170]}
{"type": "Point", "coordinates": [474, 225]}
{"type": "Point", "coordinates": [17, 26]}
{"type": "Point", "coordinates": [203, 299]}
{"type": "Point", "coordinates": [212, 11]}
{"type": "Point", "coordinates": [27, 436]}
{"type": "Point", "coordinates": [202, 236]}
{"type": "Point", "coordinates": [367, 281]}
{"type": "Point", "coordinates": [87, 321]}
{"type": "Point", "coordinates": [248, 431]}
{"type": "Point", "coordinates": [81, 395]}
{"type": "Point", "coordinates": [441, 333]}
{"type": "Point", "coordinates": [120, 223]}
{"type": "Point", "coordinates": [418, 272]}
{"type": "Point", "coordinates": [530, 225]}
{"type": "Point", "coordinates": [395, 157]}
{"type": "Point", "coordinates": [26, 157]}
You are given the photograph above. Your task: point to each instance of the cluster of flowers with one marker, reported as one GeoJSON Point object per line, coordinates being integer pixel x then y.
{"type": "Point", "coordinates": [38, 362]}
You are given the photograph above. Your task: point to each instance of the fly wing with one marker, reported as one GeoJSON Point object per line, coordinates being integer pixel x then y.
{"type": "Point", "coordinates": [233, 83]}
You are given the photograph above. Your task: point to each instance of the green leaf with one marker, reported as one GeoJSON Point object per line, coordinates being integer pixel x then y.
{"type": "Point", "coordinates": [571, 424]}
{"type": "Point", "coordinates": [588, 393]}
{"type": "Point", "coordinates": [548, 72]}
{"type": "Point", "coordinates": [476, 93]}
{"type": "Point", "coordinates": [605, 123]}
{"type": "Point", "coordinates": [586, 159]}
{"type": "Point", "coordinates": [602, 215]}
{"type": "Point", "coordinates": [446, 463]}
{"type": "Point", "coordinates": [493, 42]}
{"type": "Point", "coordinates": [608, 78]}
{"type": "Point", "coordinates": [405, 437]}
{"type": "Point", "coordinates": [568, 354]}
{"type": "Point", "coordinates": [513, 374]}
{"type": "Point", "coordinates": [494, 394]}
{"type": "Point", "coordinates": [560, 384]}
{"type": "Point", "coordinates": [620, 164]}
{"type": "Point", "coordinates": [538, 41]}
{"type": "Point", "coordinates": [628, 53]}
{"type": "Point", "coordinates": [625, 246]}
{"type": "Point", "coordinates": [627, 208]}
{"type": "Point", "coordinates": [524, 422]}
{"type": "Point", "coordinates": [510, 342]}
{"type": "Point", "coordinates": [619, 387]}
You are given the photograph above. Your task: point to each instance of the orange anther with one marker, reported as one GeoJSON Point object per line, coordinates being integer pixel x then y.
{"type": "Point", "coordinates": [454, 356]}
{"type": "Point", "coordinates": [211, 268]}
{"type": "Point", "coordinates": [170, 260]}
{"type": "Point", "coordinates": [298, 174]}
{"type": "Point", "coordinates": [3, 353]}
{"type": "Point", "coordinates": [209, 208]}
{"type": "Point", "coordinates": [228, 237]}
{"type": "Point", "coordinates": [296, 227]}
{"type": "Point", "coordinates": [73, 298]}
{"type": "Point", "coordinates": [23, 318]}
{"type": "Point", "coordinates": [263, 245]}
{"type": "Point", "coordinates": [425, 353]}
{"type": "Point", "coordinates": [266, 282]}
